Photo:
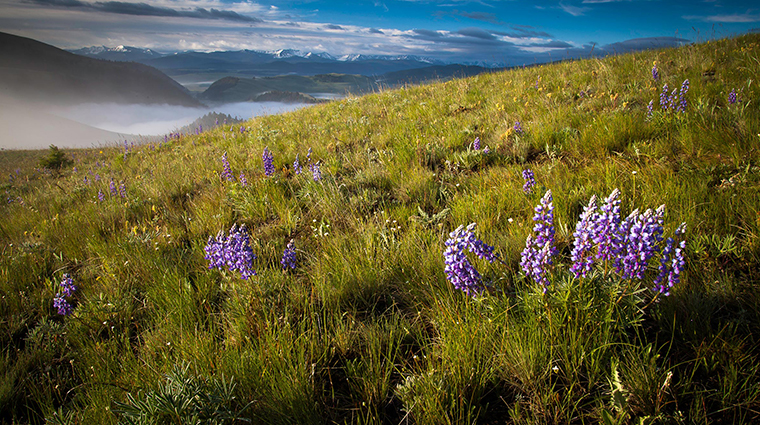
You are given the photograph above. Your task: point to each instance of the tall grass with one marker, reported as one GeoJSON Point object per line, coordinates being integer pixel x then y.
{"type": "Point", "coordinates": [366, 328]}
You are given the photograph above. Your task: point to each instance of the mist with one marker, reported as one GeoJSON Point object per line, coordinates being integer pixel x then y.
{"type": "Point", "coordinates": [155, 120]}
{"type": "Point", "coordinates": [36, 126]}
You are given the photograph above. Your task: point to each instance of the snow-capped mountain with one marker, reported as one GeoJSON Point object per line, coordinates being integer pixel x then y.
{"type": "Point", "coordinates": [118, 53]}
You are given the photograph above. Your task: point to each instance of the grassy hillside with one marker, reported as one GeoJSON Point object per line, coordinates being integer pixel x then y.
{"type": "Point", "coordinates": [367, 328]}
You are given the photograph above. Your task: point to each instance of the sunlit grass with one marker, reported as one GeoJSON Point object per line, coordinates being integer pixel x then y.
{"type": "Point", "coordinates": [366, 328]}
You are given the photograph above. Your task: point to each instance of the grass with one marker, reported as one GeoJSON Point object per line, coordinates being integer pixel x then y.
{"type": "Point", "coordinates": [367, 329]}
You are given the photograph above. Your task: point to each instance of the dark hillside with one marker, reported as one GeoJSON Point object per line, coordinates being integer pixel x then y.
{"type": "Point", "coordinates": [35, 71]}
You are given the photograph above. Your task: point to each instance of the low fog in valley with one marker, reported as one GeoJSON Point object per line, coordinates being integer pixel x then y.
{"type": "Point", "coordinates": [26, 125]}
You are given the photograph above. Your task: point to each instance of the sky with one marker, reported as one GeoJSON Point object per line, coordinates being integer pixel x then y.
{"type": "Point", "coordinates": [467, 31]}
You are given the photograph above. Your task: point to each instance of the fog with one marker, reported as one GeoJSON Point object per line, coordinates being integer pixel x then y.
{"type": "Point", "coordinates": [162, 119]}
{"type": "Point", "coordinates": [36, 126]}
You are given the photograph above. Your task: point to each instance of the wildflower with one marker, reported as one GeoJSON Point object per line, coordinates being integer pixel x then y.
{"type": "Point", "coordinates": [122, 190]}
{"type": "Point", "coordinates": [63, 306]}
{"type": "Point", "coordinates": [289, 256]}
{"type": "Point", "coordinates": [476, 144]}
{"type": "Point", "coordinates": [581, 255]}
{"type": "Point", "coordinates": [650, 108]}
{"type": "Point", "coordinates": [640, 237]}
{"type": "Point", "coordinates": [101, 197]}
{"type": "Point", "coordinates": [655, 72]}
{"type": "Point", "coordinates": [67, 285]}
{"type": "Point", "coordinates": [316, 172]}
{"type": "Point", "coordinates": [459, 271]}
{"type": "Point", "coordinates": [226, 169]}
{"type": "Point", "coordinates": [233, 251]}
{"type": "Point", "coordinates": [268, 159]}
{"type": "Point", "coordinates": [664, 98]}
{"type": "Point", "coordinates": [112, 188]}
{"type": "Point", "coordinates": [606, 227]}
{"type": "Point", "coordinates": [672, 262]}
{"type": "Point", "coordinates": [530, 181]}
{"type": "Point", "coordinates": [682, 96]}
{"type": "Point", "coordinates": [732, 97]}
{"type": "Point", "coordinates": [297, 168]}
{"type": "Point", "coordinates": [673, 100]}
{"type": "Point", "coordinates": [517, 128]}
{"type": "Point", "coordinates": [539, 249]}
{"type": "Point", "coordinates": [67, 290]}
{"type": "Point", "coordinates": [308, 156]}
{"type": "Point", "coordinates": [486, 150]}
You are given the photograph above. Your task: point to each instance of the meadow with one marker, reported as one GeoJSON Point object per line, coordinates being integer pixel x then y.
{"type": "Point", "coordinates": [173, 314]}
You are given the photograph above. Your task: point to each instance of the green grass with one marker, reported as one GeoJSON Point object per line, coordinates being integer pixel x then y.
{"type": "Point", "coordinates": [367, 329]}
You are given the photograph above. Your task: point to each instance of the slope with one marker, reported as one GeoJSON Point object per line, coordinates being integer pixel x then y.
{"type": "Point", "coordinates": [369, 326]}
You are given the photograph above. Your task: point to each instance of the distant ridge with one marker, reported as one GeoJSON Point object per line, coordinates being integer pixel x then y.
{"type": "Point", "coordinates": [36, 72]}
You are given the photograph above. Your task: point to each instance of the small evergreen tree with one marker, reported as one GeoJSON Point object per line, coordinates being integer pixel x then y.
{"type": "Point", "coordinates": [55, 159]}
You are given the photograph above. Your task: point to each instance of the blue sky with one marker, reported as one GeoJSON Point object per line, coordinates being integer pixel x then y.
{"type": "Point", "coordinates": [494, 31]}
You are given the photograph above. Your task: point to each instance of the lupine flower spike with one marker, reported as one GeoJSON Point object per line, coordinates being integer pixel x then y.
{"type": "Point", "coordinates": [243, 180]}
{"type": "Point", "coordinates": [582, 255]}
{"type": "Point", "coordinates": [655, 72]}
{"type": "Point", "coordinates": [60, 301]}
{"type": "Point", "coordinates": [226, 169]}
{"type": "Point", "coordinates": [476, 144]}
{"type": "Point", "coordinates": [289, 256]}
{"type": "Point", "coordinates": [459, 271]}
{"type": "Point", "coordinates": [672, 262]}
{"type": "Point", "coordinates": [732, 97]}
{"type": "Point", "coordinates": [297, 168]}
{"type": "Point", "coordinates": [530, 181]}
{"type": "Point", "coordinates": [537, 257]}
{"type": "Point", "coordinates": [268, 159]}
{"type": "Point", "coordinates": [682, 96]}
{"type": "Point", "coordinates": [233, 251]}
{"type": "Point", "coordinates": [518, 128]}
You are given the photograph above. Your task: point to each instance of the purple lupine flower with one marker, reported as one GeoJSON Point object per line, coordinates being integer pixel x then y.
{"type": "Point", "coordinates": [530, 181]}
{"type": "Point", "coordinates": [459, 271]}
{"type": "Point", "coordinates": [122, 190]}
{"type": "Point", "coordinates": [582, 256]}
{"type": "Point", "coordinates": [476, 144]}
{"type": "Point", "coordinates": [316, 172]}
{"type": "Point", "coordinates": [518, 127]}
{"type": "Point", "coordinates": [732, 97]}
{"type": "Point", "coordinates": [537, 81]}
{"type": "Point", "coordinates": [238, 253]}
{"type": "Point", "coordinates": [289, 256]}
{"type": "Point", "coordinates": [268, 159]}
{"type": "Point", "coordinates": [672, 262]}
{"type": "Point", "coordinates": [606, 227]}
{"type": "Point", "coordinates": [682, 104]}
{"type": "Point", "coordinates": [243, 180]}
{"type": "Point", "coordinates": [112, 188]}
{"type": "Point", "coordinates": [67, 285]}
{"type": "Point", "coordinates": [486, 150]}
{"type": "Point", "coordinates": [63, 306]}
{"type": "Point", "coordinates": [233, 251]}
{"type": "Point", "coordinates": [539, 249]}
{"type": "Point", "coordinates": [308, 157]}
{"type": "Point", "coordinates": [297, 168]}
{"type": "Point", "coordinates": [650, 108]}
{"type": "Point", "coordinates": [673, 100]}
{"type": "Point", "coordinates": [97, 177]}
{"type": "Point", "coordinates": [215, 251]}
{"type": "Point", "coordinates": [226, 169]}
{"type": "Point", "coordinates": [641, 242]}
{"type": "Point", "coordinates": [655, 72]}
{"type": "Point", "coordinates": [101, 197]}
{"type": "Point", "coordinates": [664, 98]}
